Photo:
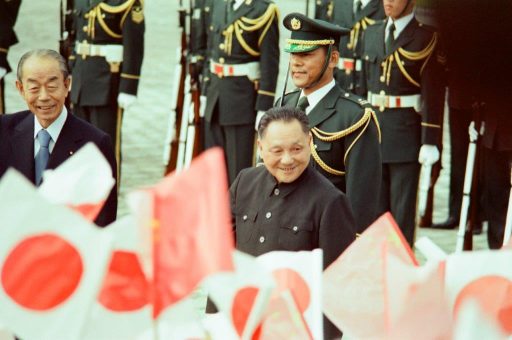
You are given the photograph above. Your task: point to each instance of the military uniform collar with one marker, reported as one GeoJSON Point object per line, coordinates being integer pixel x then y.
{"type": "Point", "coordinates": [315, 97]}
{"type": "Point", "coordinates": [400, 24]}
{"type": "Point", "coordinates": [271, 187]}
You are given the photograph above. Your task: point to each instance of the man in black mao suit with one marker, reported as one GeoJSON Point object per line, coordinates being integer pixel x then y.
{"type": "Point", "coordinates": [287, 204]}
{"type": "Point", "coordinates": [43, 81]}
{"type": "Point", "coordinates": [345, 132]}
{"type": "Point", "coordinates": [243, 46]}
{"type": "Point", "coordinates": [8, 14]}
{"type": "Point", "coordinates": [356, 15]}
{"type": "Point", "coordinates": [404, 79]}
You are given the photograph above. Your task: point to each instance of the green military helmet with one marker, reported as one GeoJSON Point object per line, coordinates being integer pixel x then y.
{"type": "Point", "coordinates": [309, 34]}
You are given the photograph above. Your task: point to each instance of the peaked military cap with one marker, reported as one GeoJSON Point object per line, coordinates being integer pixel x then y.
{"type": "Point", "coordinates": [309, 34]}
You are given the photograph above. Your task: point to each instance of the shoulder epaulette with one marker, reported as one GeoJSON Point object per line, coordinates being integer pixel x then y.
{"type": "Point", "coordinates": [362, 102]}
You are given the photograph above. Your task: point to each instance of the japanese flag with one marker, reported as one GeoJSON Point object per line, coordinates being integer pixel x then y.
{"type": "Point", "coordinates": [51, 264]}
{"type": "Point", "coordinates": [242, 296]}
{"type": "Point", "coordinates": [122, 308]}
{"type": "Point", "coordinates": [486, 277]}
{"type": "Point", "coordinates": [300, 273]}
{"type": "Point", "coordinates": [82, 182]}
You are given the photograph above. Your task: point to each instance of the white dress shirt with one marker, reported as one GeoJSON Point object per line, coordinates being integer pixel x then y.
{"type": "Point", "coordinates": [54, 130]}
{"type": "Point", "coordinates": [399, 25]}
{"type": "Point", "coordinates": [315, 97]}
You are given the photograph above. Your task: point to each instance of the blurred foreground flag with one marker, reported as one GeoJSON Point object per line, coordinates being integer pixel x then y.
{"type": "Point", "coordinates": [353, 285]}
{"type": "Point", "coordinates": [242, 296]}
{"type": "Point", "coordinates": [51, 264]}
{"type": "Point", "coordinates": [486, 277]}
{"type": "Point", "coordinates": [83, 182]}
{"type": "Point", "coordinates": [192, 231]}
{"type": "Point", "coordinates": [300, 273]}
{"type": "Point", "coordinates": [473, 324]}
{"type": "Point", "coordinates": [122, 309]}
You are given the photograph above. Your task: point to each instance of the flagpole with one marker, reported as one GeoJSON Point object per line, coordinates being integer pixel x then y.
{"type": "Point", "coordinates": [508, 223]}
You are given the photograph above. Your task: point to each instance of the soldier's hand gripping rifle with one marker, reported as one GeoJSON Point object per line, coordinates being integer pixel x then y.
{"type": "Point", "coordinates": [67, 34]}
{"type": "Point", "coordinates": [171, 144]}
{"type": "Point", "coordinates": [465, 232]}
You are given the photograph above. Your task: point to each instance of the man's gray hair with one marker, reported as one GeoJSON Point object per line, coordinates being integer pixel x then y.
{"type": "Point", "coordinates": [43, 53]}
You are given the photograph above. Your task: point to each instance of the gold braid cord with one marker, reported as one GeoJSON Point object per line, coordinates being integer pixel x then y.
{"type": "Point", "coordinates": [250, 25]}
{"type": "Point", "coordinates": [354, 32]}
{"type": "Point", "coordinates": [396, 57]}
{"type": "Point", "coordinates": [364, 122]}
{"type": "Point", "coordinates": [96, 14]}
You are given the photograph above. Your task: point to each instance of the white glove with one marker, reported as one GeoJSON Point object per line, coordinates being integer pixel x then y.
{"type": "Point", "coordinates": [202, 105]}
{"type": "Point", "coordinates": [429, 154]}
{"type": "Point", "coordinates": [259, 114]}
{"type": "Point", "coordinates": [3, 72]}
{"type": "Point", "coordinates": [473, 134]}
{"type": "Point", "coordinates": [125, 100]}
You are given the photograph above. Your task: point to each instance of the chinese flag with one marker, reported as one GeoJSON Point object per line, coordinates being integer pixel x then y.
{"type": "Point", "coordinates": [192, 229]}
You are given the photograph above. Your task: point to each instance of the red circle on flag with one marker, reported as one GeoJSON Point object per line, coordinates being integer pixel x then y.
{"type": "Point", "coordinates": [42, 272]}
{"type": "Point", "coordinates": [494, 294]}
{"type": "Point", "coordinates": [289, 279]}
{"type": "Point", "coordinates": [125, 287]}
{"type": "Point", "coordinates": [243, 302]}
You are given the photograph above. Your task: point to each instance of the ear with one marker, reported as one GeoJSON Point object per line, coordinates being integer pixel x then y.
{"type": "Point", "coordinates": [19, 86]}
{"type": "Point", "coordinates": [260, 148]}
{"type": "Point", "coordinates": [335, 56]}
{"type": "Point", "coordinates": [67, 83]}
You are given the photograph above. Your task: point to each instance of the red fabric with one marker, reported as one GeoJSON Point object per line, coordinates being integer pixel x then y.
{"type": "Point", "coordinates": [192, 229]}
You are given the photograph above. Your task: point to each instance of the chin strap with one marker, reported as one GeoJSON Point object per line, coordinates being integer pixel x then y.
{"type": "Point", "coordinates": [326, 63]}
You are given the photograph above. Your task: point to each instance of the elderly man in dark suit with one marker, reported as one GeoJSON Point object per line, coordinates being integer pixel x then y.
{"type": "Point", "coordinates": [47, 134]}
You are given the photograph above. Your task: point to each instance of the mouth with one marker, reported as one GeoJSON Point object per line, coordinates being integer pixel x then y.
{"type": "Point", "coordinates": [298, 74]}
{"type": "Point", "coordinates": [45, 107]}
{"type": "Point", "coordinates": [287, 169]}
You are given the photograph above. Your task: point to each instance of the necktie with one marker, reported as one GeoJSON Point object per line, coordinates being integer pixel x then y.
{"type": "Point", "coordinates": [42, 156]}
{"type": "Point", "coordinates": [303, 103]}
{"type": "Point", "coordinates": [391, 38]}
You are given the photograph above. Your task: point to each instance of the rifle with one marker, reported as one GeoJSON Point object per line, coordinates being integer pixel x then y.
{"type": "Point", "coordinates": [426, 195]}
{"type": "Point", "coordinates": [170, 156]}
{"type": "Point", "coordinates": [67, 34]}
{"type": "Point", "coordinates": [469, 196]}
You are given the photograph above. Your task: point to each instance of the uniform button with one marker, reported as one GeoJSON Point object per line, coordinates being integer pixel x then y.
{"type": "Point", "coordinates": [295, 228]}
{"type": "Point", "coordinates": [276, 191]}
{"type": "Point", "coordinates": [316, 146]}
{"type": "Point", "coordinates": [221, 60]}
{"type": "Point", "coordinates": [85, 29]}
{"type": "Point", "coordinates": [262, 239]}
{"type": "Point", "coordinates": [86, 15]}
{"type": "Point", "coordinates": [211, 28]}
{"type": "Point", "coordinates": [244, 217]}
{"type": "Point", "coordinates": [268, 215]}
{"type": "Point", "coordinates": [346, 94]}
{"type": "Point", "coordinates": [207, 9]}
{"type": "Point", "coordinates": [221, 46]}
{"type": "Point", "coordinates": [367, 57]}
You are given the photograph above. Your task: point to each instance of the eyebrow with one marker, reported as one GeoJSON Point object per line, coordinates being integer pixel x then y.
{"type": "Point", "coordinates": [32, 80]}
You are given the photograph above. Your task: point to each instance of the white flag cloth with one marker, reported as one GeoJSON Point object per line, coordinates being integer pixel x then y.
{"type": "Point", "coordinates": [52, 263]}
{"type": "Point", "coordinates": [301, 273]}
{"type": "Point", "coordinates": [122, 309]}
{"type": "Point", "coordinates": [83, 182]}
{"type": "Point", "coordinates": [473, 324]}
{"type": "Point", "coordinates": [486, 277]}
{"type": "Point", "coordinates": [242, 296]}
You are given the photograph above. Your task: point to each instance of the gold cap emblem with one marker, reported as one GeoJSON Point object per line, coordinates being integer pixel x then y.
{"type": "Point", "coordinates": [295, 24]}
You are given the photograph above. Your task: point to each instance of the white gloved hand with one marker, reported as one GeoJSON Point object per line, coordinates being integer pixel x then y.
{"type": "Point", "coordinates": [3, 72]}
{"type": "Point", "coordinates": [202, 107]}
{"type": "Point", "coordinates": [429, 154]}
{"type": "Point", "coordinates": [259, 114]}
{"type": "Point", "coordinates": [125, 100]}
{"type": "Point", "coordinates": [473, 134]}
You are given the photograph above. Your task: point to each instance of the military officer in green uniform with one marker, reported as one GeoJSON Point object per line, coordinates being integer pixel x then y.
{"type": "Point", "coordinates": [106, 62]}
{"type": "Point", "coordinates": [405, 83]}
{"type": "Point", "coordinates": [345, 144]}
{"type": "Point", "coordinates": [356, 15]}
{"type": "Point", "coordinates": [8, 14]}
{"type": "Point", "coordinates": [243, 64]}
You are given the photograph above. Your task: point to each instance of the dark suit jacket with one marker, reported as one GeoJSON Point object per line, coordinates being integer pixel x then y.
{"type": "Point", "coordinates": [338, 111]}
{"type": "Point", "coordinates": [17, 150]}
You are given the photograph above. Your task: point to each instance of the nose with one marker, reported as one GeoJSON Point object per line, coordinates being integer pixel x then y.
{"type": "Point", "coordinates": [43, 94]}
{"type": "Point", "coordinates": [287, 158]}
{"type": "Point", "coordinates": [295, 59]}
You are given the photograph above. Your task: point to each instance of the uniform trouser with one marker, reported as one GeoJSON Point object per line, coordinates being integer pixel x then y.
{"type": "Point", "coordinates": [2, 96]}
{"type": "Point", "coordinates": [398, 195]}
{"type": "Point", "coordinates": [237, 142]}
{"type": "Point", "coordinates": [107, 118]}
{"type": "Point", "coordinates": [497, 189]}
{"type": "Point", "coordinates": [459, 141]}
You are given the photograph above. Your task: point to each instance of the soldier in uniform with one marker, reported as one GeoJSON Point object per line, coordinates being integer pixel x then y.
{"type": "Point", "coordinates": [243, 45]}
{"type": "Point", "coordinates": [287, 204]}
{"type": "Point", "coordinates": [345, 130]}
{"type": "Point", "coordinates": [106, 62]}
{"type": "Point", "coordinates": [356, 15]}
{"type": "Point", "coordinates": [323, 10]}
{"type": "Point", "coordinates": [404, 79]}
{"type": "Point", "coordinates": [8, 14]}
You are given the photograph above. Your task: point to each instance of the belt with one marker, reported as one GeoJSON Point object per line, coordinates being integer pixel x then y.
{"type": "Point", "coordinates": [251, 70]}
{"type": "Point", "coordinates": [112, 53]}
{"type": "Point", "coordinates": [349, 64]}
{"type": "Point", "coordinates": [384, 101]}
